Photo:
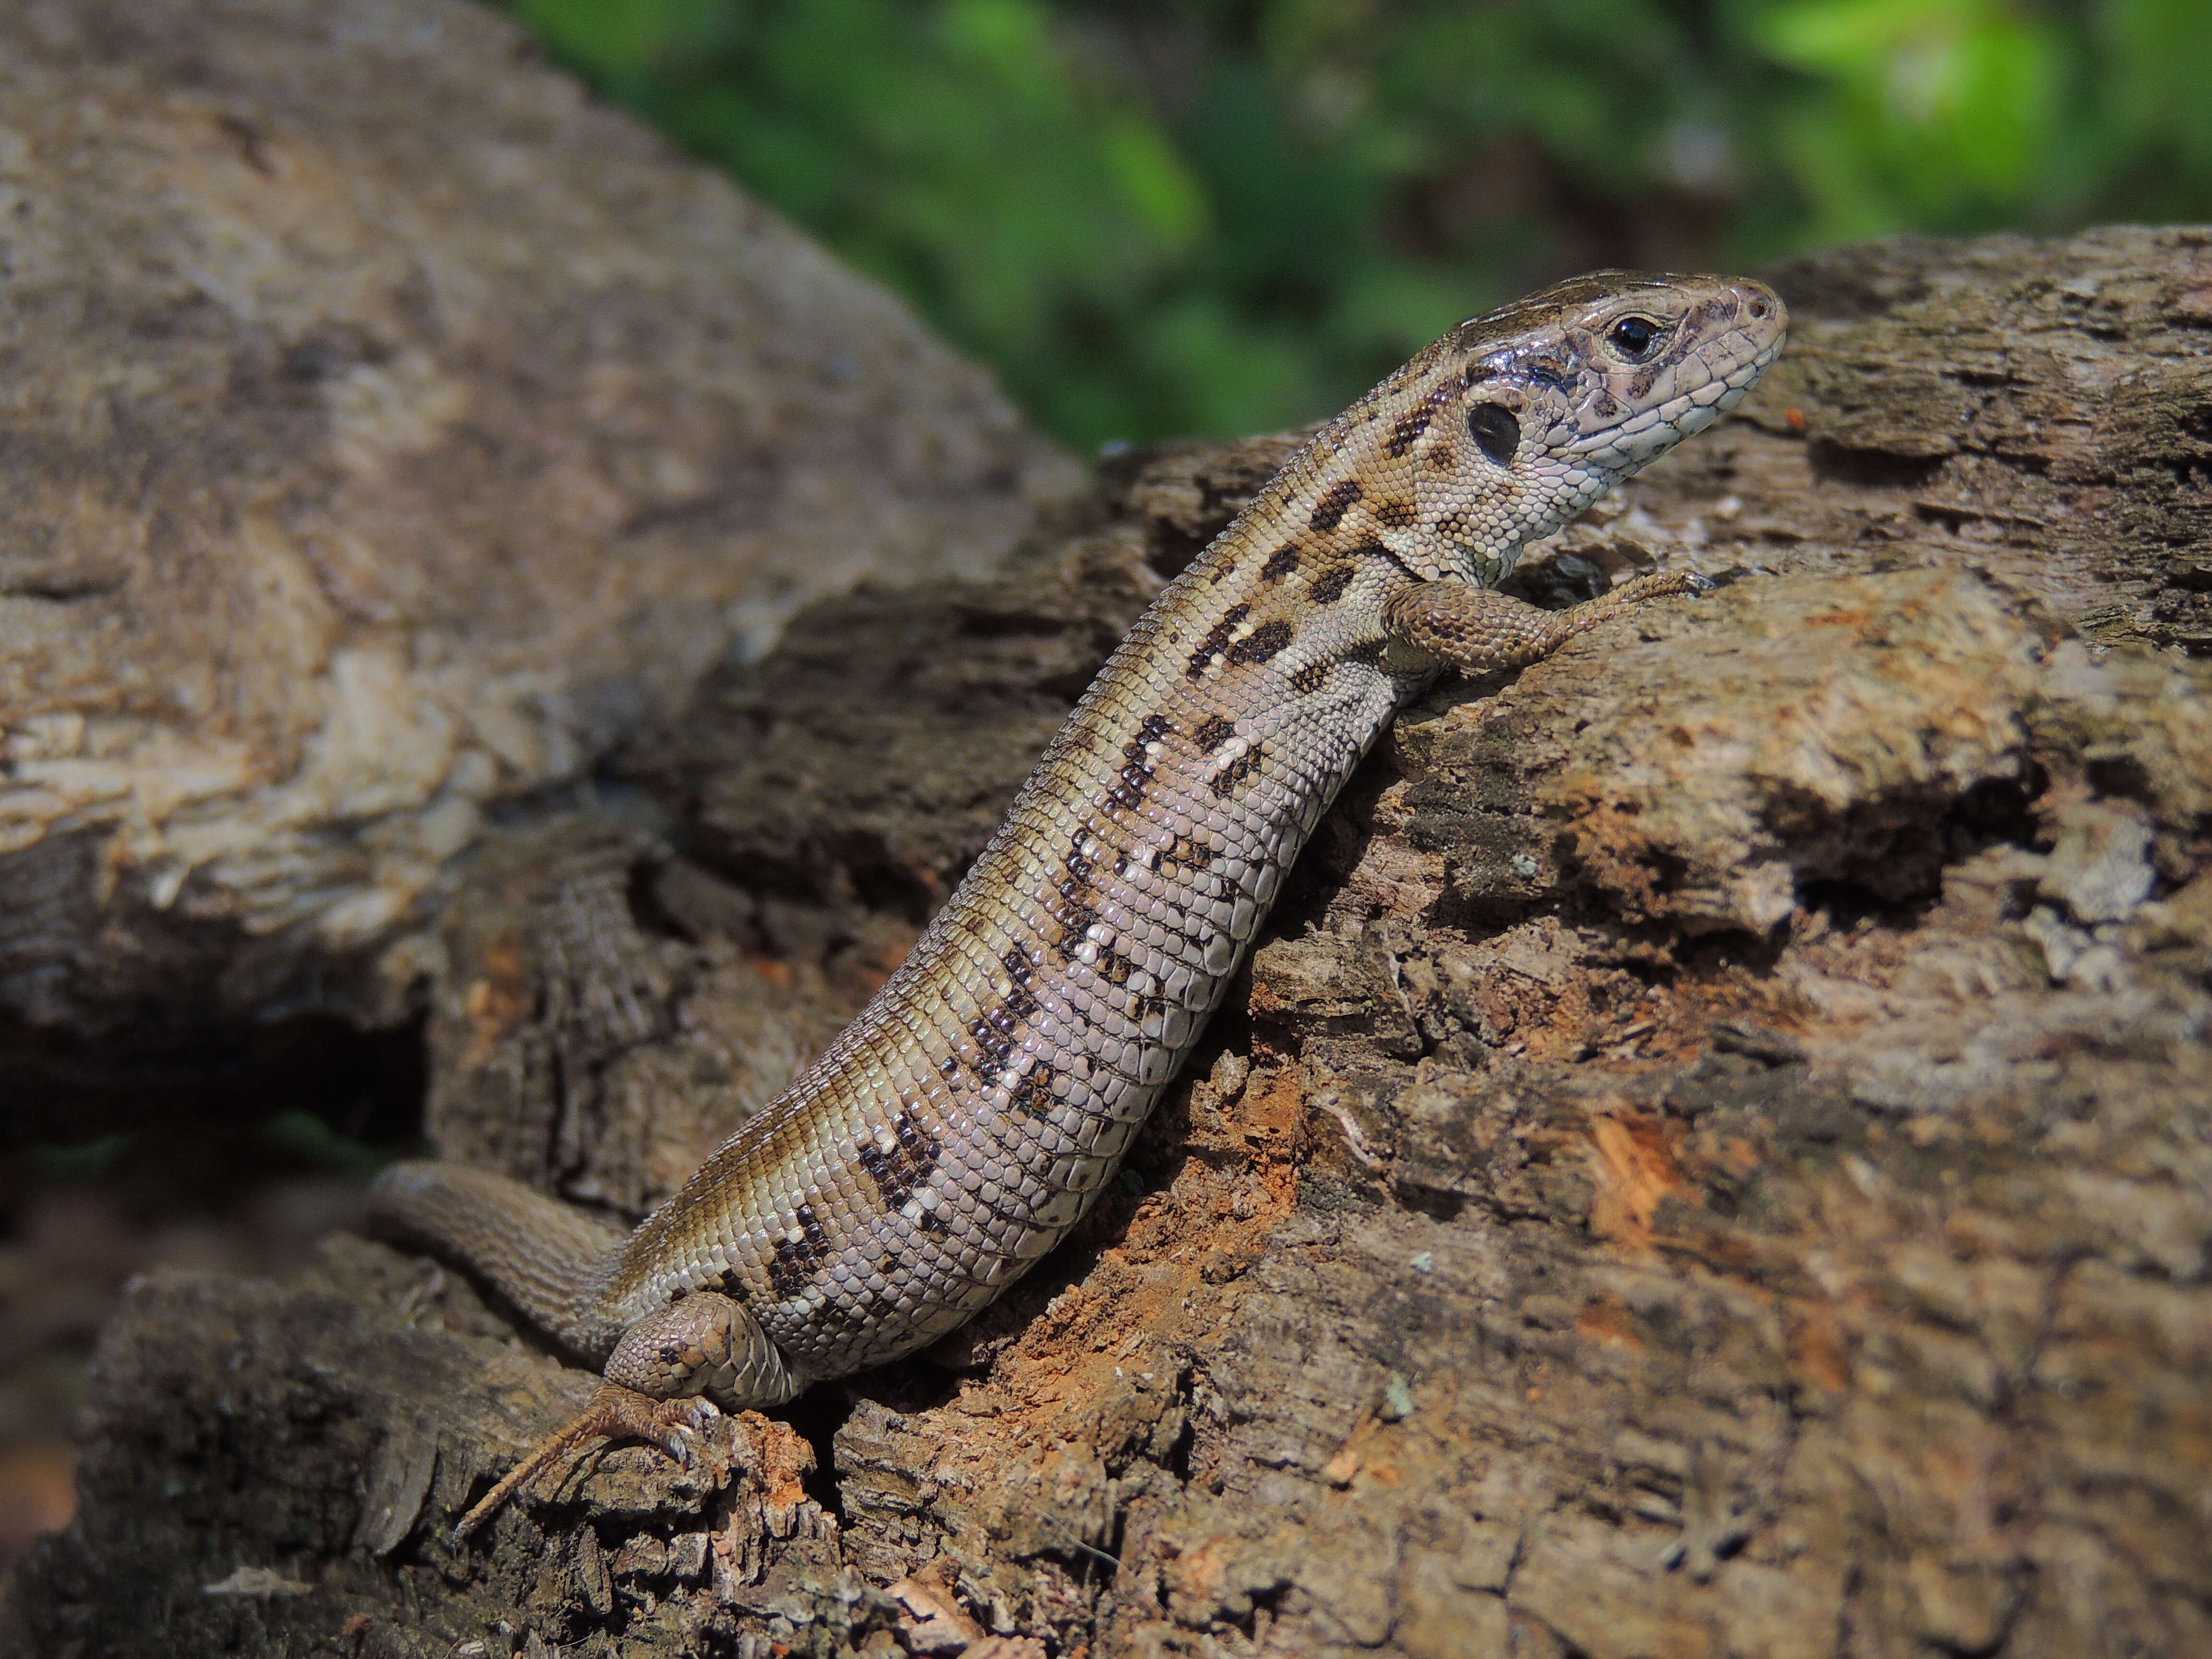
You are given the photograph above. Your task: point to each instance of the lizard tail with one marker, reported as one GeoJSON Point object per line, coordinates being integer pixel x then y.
{"type": "Point", "coordinates": [548, 1258]}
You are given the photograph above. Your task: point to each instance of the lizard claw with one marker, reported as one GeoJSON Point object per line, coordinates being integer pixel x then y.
{"type": "Point", "coordinates": [691, 1417]}
{"type": "Point", "coordinates": [614, 1413]}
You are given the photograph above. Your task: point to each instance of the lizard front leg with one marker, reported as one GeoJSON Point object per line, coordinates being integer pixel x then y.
{"type": "Point", "coordinates": [662, 1383]}
{"type": "Point", "coordinates": [1478, 630]}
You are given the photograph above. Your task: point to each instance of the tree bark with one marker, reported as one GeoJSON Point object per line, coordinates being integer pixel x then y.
{"type": "Point", "coordinates": [1713, 1153]}
{"type": "Point", "coordinates": [389, 431]}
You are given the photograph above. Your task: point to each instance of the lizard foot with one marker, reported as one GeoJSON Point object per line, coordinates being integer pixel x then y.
{"type": "Point", "coordinates": [1478, 630]}
{"type": "Point", "coordinates": [614, 1413]}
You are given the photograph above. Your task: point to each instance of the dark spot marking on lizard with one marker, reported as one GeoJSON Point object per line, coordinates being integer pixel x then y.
{"type": "Point", "coordinates": [1032, 1095]}
{"type": "Point", "coordinates": [1137, 767]}
{"type": "Point", "coordinates": [1476, 374]}
{"type": "Point", "coordinates": [1187, 852]}
{"type": "Point", "coordinates": [1212, 731]}
{"type": "Point", "coordinates": [993, 1031]}
{"type": "Point", "coordinates": [1263, 642]}
{"type": "Point", "coordinates": [1127, 790]}
{"type": "Point", "coordinates": [1335, 501]}
{"type": "Point", "coordinates": [1077, 914]}
{"type": "Point", "coordinates": [1443, 458]}
{"type": "Point", "coordinates": [1329, 586]}
{"type": "Point", "coordinates": [1280, 562]}
{"type": "Point", "coordinates": [1217, 639]}
{"type": "Point", "coordinates": [1019, 968]}
{"type": "Point", "coordinates": [1310, 678]}
{"type": "Point", "coordinates": [1408, 430]}
{"type": "Point", "coordinates": [1226, 780]}
{"type": "Point", "coordinates": [1079, 864]}
{"type": "Point", "coordinates": [912, 1155]}
{"type": "Point", "coordinates": [1416, 420]}
{"type": "Point", "coordinates": [799, 1251]}
{"type": "Point", "coordinates": [1394, 515]}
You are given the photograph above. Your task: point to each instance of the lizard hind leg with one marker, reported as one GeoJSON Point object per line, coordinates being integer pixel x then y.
{"type": "Point", "coordinates": [664, 1380]}
{"type": "Point", "coordinates": [1477, 630]}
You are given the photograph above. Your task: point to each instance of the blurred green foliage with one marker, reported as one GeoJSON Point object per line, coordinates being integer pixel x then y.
{"type": "Point", "coordinates": [1218, 216]}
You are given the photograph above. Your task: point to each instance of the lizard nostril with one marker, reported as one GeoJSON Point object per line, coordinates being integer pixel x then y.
{"type": "Point", "coordinates": [1759, 306]}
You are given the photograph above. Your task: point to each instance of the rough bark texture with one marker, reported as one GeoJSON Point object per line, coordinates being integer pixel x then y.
{"type": "Point", "coordinates": [385, 431]}
{"type": "Point", "coordinates": [1714, 1156]}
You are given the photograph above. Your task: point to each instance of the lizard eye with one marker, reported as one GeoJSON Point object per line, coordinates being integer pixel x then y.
{"type": "Point", "coordinates": [1632, 337]}
{"type": "Point", "coordinates": [1496, 433]}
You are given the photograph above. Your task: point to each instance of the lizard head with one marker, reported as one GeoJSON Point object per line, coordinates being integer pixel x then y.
{"type": "Point", "coordinates": [1562, 395]}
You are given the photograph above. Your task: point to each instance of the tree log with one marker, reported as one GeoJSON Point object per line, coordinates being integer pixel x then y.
{"type": "Point", "coordinates": [388, 431]}
{"type": "Point", "coordinates": [1713, 1153]}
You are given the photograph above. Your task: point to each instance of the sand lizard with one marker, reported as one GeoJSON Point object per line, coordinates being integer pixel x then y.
{"type": "Point", "coordinates": [977, 1107]}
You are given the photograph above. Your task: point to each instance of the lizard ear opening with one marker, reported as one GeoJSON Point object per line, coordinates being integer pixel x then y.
{"type": "Point", "coordinates": [1495, 431]}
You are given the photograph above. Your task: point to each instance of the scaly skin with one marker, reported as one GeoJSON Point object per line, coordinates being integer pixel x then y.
{"type": "Point", "coordinates": [980, 1104]}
